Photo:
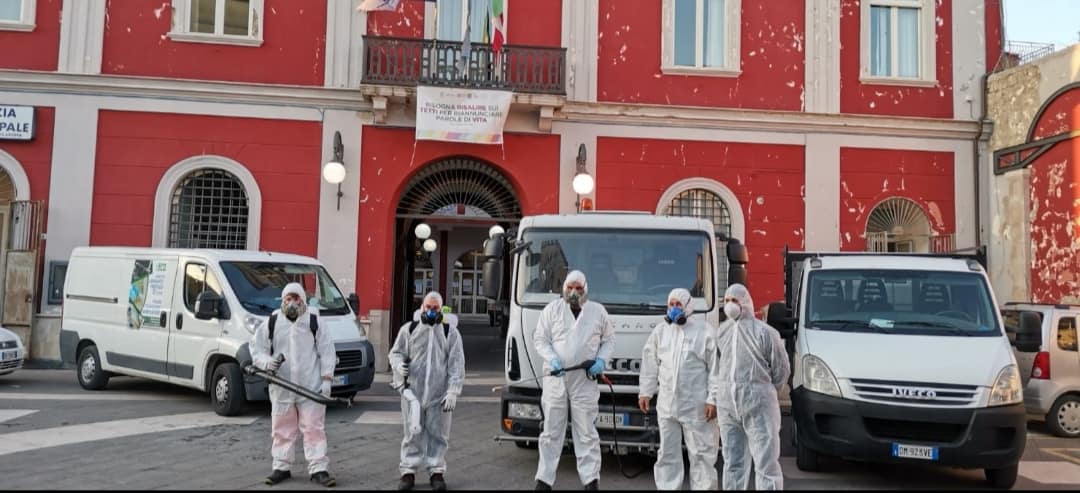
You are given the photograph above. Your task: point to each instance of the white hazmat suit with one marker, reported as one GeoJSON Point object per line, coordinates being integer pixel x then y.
{"type": "Point", "coordinates": [677, 361]}
{"type": "Point", "coordinates": [436, 374]}
{"type": "Point", "coordinates": [752, 367]}
{"type": "Point", "coordinates": [560, 336]}
{"type": "Point", "coordinates": [308, 357]}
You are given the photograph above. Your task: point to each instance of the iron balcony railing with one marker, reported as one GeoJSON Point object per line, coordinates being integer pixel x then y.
{"type": "Point", "coordinates": [1017, 53]}
{"type": "Point", "coordinates": [412, 61]}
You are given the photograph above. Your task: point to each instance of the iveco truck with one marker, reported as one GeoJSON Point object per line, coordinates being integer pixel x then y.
{"type": "Point", "coordinates": [631, 261]}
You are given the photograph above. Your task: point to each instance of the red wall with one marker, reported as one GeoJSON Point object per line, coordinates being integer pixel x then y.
{"type": "Point", "coordinates": [38, 49]}
{"type": "Point", "coordinates": [869, 176]}
{"type": "Point", "coordinates": [533, 23]}
{"type": "Point", "coordinates": [630, 50]}
{"type": "Point", "coordinates": [1054, 196]}
{"type": "Point", "coordinates": [633, 174]}
{"type": "Point", "coordinates": [293, 49]}
{"type": "Point", "coordinates": [993, 33]}
{"type": "Point", "coordinates": [389, 159]}
{"type": "Point", "coordinates": [134, 150]}
{"type": "Point", "coordinates": [35, 156]}
{"type": "Point", "coordinates": [876, 99]}
{"type": "Point", "coordinates": [406, 22]}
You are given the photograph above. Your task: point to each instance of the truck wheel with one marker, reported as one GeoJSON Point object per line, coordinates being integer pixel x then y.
{"type": "Point", "coordinates": [805, 459]}
{"type": "Point", "coordinates": [91, 375]}
{"type": "Point", "coordinates": [1064, 417]}
{"type": "Point", "coordinates": [227, 390]}
{"type": "Point", "coordinates": [1004, 478]}
{"type": "Point", "coordinates": [526, 445]}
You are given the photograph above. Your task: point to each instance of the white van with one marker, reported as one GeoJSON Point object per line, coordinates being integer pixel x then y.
{"type": "Point", "coordinates": [187, 316]}
{"type": "Point", "coordinates": [901, 358]}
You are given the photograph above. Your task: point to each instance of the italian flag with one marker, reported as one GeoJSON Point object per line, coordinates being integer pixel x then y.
{"type": "Point", "coordinates": [498, 25]}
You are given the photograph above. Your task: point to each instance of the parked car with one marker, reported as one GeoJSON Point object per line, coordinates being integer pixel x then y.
{"type": "Point", "coordinates": [12, 352]}
{"type": "Point", "coordinates": [1051, 376]}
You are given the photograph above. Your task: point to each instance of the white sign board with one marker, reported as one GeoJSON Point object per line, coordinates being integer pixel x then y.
{"type": "Point", "coordinates": [474, 116]}
{"type": "Point", "coordinates": [16, 122]}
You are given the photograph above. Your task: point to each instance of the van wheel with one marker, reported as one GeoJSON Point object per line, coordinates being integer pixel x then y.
{"type": "Point", "coordinates": [1064, 417]}
{"type": "Point", "coordinates": [805, 459]}
{"type": "Point", "coordinates": [91, 375]}
{"type": "Point", "coordinates": [1004, 478]}
{"type": "Point", "coordinates": [227, 390]}
{"type": "Point", "coordinates": [526, 445]}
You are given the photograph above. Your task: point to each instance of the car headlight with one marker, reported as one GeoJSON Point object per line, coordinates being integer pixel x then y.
{"type": "Point", "coordinates": [251, 323]}
{"type": "Point", "coordinates": [818, 377]}
{"type": "Point", "coordinates": [520, 410]}
{"type": "Point", "coordinates": [1007, 388]}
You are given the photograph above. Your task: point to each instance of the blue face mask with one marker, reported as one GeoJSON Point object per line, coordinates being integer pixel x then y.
{"type": "Point", "coordinates": [431, 317]}
{"type": "Point", "coordinates": [675, 314]}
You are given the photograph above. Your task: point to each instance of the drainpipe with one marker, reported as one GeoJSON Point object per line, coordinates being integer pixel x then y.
{"type": "Point", "coordinates": [978, 158]}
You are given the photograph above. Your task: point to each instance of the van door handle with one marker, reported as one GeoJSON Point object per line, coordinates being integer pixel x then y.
{"type": "Point", "coordinates": [164, 318]}
{"type": "Point", "coordinates": [179, 321]}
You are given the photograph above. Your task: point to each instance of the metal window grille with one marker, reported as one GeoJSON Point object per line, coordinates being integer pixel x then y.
{"type": "Point", "coordinates": [704, 204]}
{"type": "Point", "coordinates": [209, 210]}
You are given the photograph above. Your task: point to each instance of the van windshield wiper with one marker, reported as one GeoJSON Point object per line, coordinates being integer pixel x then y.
{"type": "Point", "coordinates": [844, 323]}
{"type": "Point", "coordinates": [258, 306]}
{"type": "Point", "coordinates": [637, 307]}
{"type": "Point", "coordinates": [944, 327]}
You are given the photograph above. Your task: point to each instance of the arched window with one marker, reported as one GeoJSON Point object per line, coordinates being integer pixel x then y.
{"type": "Point", "coordinates": [707, 199]}
{"type": "Point", "coordinates": [209, 209]}
{"type": "Point", "coordinates": [899, 225]}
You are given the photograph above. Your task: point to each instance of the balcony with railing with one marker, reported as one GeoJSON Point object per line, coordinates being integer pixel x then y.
{"type": "Point", "coordinates": [1017, 53]}
{"type": "Point", "coordinates": [411, 61]}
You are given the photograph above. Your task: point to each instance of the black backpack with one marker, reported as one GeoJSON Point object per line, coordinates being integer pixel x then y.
{"type": "Point", "coordinates": [313, 322]}
{"type": "Point", "coordinates": [446, 328]}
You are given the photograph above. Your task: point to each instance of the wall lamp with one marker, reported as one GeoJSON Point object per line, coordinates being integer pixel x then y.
{"type": "Point", "coordinates": [334, 171]}
{"type": "Point", "coordinates": [583, 182]}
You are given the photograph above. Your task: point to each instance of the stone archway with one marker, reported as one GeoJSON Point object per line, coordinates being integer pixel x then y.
{"type": "Point", "coordinates": [898, 225]}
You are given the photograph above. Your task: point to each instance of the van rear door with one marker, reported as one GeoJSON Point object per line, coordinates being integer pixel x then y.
{"type": "Point", "coordinates": [192, 341]}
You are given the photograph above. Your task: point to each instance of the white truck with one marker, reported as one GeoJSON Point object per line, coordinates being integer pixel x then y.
{"type": "Point", "coordinates": [902, 358]}
{"type": "Point", "coordinates": [632, 261]}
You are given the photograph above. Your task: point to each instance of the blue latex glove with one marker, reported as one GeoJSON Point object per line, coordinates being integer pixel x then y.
{"type": "Point", "coordinates": [556, 367]}
{"type": "Point", "coordinates": [597, 368]}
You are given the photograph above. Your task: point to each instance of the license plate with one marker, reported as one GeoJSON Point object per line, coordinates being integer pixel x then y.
{"type": "Point", "coordinates": [914, 452]}
{"type": "Point", "coordinates": [605, 420]}
{"type": "Point", "coordinates": [9, 355]}
{"type": "Point", "coordinates": [341, 379]}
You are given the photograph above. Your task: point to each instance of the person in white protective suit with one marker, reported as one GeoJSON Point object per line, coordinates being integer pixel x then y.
{"type": "Point", "coordinates": [678, 360]}
{"type": "Point", "coordinates": [428, 364]}
{"type": "Point", "coordinates": [752, 367]}
{"type": "Point", "coordinates": [572, 330]}
{"type": "Point", "coordinates": [306, 357]}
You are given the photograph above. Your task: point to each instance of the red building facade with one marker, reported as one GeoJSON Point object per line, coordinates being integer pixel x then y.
{"type": "Point", "coordinates": [789, 124]}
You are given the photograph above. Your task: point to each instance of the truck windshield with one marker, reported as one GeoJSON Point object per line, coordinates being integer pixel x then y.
{"type": "Point", "coordinates": [258, 285]}
{"type": "Point", "coordinates": [901, 302]}
{"type": "Point", "coordinates": [628, 271]}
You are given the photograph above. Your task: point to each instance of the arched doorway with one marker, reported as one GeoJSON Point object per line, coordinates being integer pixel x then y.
{"type": "Point", "coordinates": [898, 225]}
{"type": "Point", "coordinates": [459, 198]}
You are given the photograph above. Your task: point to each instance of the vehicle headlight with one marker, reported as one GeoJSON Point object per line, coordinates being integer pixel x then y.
{"type": "Point", "coordinates": [360, 327]}
{"type": "Point", "coordinates": [818, 377]}
{"type": "Point", "coordinates": [252, 322]}
{"type": "Point", "coordinates": [521, 410]}
{"type": "Point", "coordinates": [1007, 388]}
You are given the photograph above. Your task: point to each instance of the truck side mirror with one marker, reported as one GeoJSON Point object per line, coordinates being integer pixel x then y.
{"type": "Point", "coordinates": [779, 317]}
{"type": "Point", "coordinates": [495, 246]}
{"type": "Point", "coordinates": [738, 257]}
{"type": "Point", "coordinates": [493, 274]}
{"type": "Point", "coordinates": [354, 303]}
{"type": "Point", "coordinates": [208, 305]}
{"type": "Point", "coordinates": [1029, 334]}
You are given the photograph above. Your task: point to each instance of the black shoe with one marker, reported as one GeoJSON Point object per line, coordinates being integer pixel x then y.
{"type": "Point", "coordinates": [277, 476]}
{"type": "Point", "coordinates": [542, 486]}
{"type": "Point", "coordinates": [407, 482]}
{"type": "Point", "coordinates": [324, 478]}
{"type": "Point", "coordinates": [593, 486]}
{"type": "Point", "coordinates": [437, 482]}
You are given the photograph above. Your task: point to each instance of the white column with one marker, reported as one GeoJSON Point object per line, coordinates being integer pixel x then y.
{"type": "Point", "coordinates": [345, 30]}
{"type": "Point", "coordinates": [580, 35]}
{"type": "Point", "coordinates": [71, 194]}
{"type": "Point", "coordinates": [821, 93]}
{"type": "Point", "coordinates": [338, 229]}
{"type": "Point", "coordinates": [822, 193]}
{"type": "Point", "coordinates": [82, 36]}
{"type": "Point", "coordinates": [966, 205]}
{"type": "Point", "coordinates": [968, 57]}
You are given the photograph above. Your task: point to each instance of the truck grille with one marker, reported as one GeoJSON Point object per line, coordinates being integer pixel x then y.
{"type": "Point", "coordinates": [890, 429]}
{"type": "Point", "coordinates": [349, 360]}
{"type": "Point", "coordinates": [622, 378]}
{"type": "Point", "coordinates": [934, 394]}
{"type": "Point", "coordinates": [7, 365]}
{"type": "Point", "coordinates": [8, 345]}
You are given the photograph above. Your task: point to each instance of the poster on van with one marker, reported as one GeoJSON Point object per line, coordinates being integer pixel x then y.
{"type": "Point", "coordinates": [147, 294]}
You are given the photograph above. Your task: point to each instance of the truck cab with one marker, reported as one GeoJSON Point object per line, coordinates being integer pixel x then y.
{"type": "Point", "coordinates": [901, 358]}
{"type": "Point", "coordinates": [631, 261]}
